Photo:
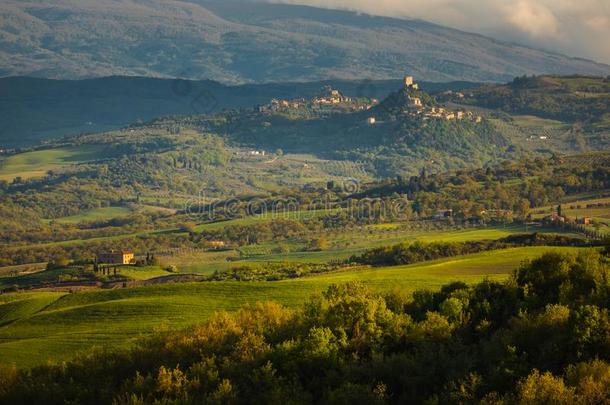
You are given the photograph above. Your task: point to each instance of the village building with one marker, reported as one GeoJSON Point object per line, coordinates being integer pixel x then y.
{"type": "Point", "coordinates": [409, 83]}
{"type": "Point", "coordinates": [216, 244]}
{"type": "Point", "coordinates": [415, 102]}
{"type": "Point", "coordinates": [330, 96]}
{"type": "Point", "coordinates": [451, 94]}
{"type": "Point", "coordinates": [116, 257]}
{"type": "Point", "coordinates": [497, 213]}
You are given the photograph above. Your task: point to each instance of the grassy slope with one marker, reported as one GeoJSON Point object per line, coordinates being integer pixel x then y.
{"type": "Point", "coordinates": [37, 163]}
{"type": "Point", "coordinates": [43, 278]}
{"type": "Point", "coordinates": [353, 237]}
{"type": "Point", "coordinates": [293, 215]}
{"type": "Point", "coordinates": [97, 214]}
{"type": "Point", "coordinates": [355, 242]}
{"type": "Point", "coordinates": [342, 245]}
{"type": "Point", "coordinates": [18, 306]}
{"type": "Point", "coordinates": [76, 322]}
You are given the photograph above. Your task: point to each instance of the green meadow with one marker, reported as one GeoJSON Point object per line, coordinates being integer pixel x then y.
{"type": "Point", "coordinates": [344, 244]}
{"type": "Point", "coordinates": [97, 214]}
{"type": "Point", "coordinates": [37, 163]}
{"type": "Point", "coordinates": [365, 237]}
{"type": "Point", "coordinates": [294, 215]}
{"type": "Point", "coordinates": [44, 326]}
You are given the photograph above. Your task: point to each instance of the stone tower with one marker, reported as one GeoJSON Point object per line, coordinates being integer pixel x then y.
{"type": "Point", "coordinates": [408, 82]}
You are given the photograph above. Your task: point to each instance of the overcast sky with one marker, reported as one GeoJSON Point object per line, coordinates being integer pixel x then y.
{"type": "Point", "coordinates": [574, 27]}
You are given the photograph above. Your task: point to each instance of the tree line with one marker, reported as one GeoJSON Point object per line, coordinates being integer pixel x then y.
{"type": "Point", "coordinates": [415, 252]}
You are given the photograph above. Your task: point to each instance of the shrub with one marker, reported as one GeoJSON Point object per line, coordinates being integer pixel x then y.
{"type": "Point", "coordinates": [172, 269]}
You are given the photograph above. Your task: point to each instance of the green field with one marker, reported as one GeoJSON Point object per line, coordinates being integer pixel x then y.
{"type": "Point", "coordinates": [202, 263]}
{"type": "Point", "coordinates": [347, 243]}
{"type": "Point", "coordinates": [36, 327]}
{"type": "Point", "coordinates": [40, 279]}
{"type": "Point", "coordinates": [295, 215]}
{"type": "Point", "coordinates": [37, 163]}
{"type": "Point", "coordinates": [21, 268]}
{"type": "Point", "coordinates": [533, 121]}
{"type": "Point", "coordinates": [97, 214]}
{"type": "Point", "coordinates": [342, 245]}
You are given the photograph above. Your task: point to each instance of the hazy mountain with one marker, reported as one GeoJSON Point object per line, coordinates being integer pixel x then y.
{"type": "Point", "coordinates": [237, 41]}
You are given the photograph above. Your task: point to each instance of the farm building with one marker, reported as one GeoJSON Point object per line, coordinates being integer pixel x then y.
{"type": "Point", "coordinates": [554, 219]}
{"type": "Point", "coordinates": [217, 244]}
{"type": "Point", "coordinates": [443, 214]}
{"type": "Point", "coordinates": [116, 257]}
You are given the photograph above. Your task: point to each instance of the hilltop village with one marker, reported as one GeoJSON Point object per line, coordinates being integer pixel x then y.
{"type": "Point", "coordinates": [330, 99]}
{"type": "Point", "coordinates": [416, 107]}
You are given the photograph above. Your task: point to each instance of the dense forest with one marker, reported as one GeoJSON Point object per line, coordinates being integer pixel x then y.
{"type": "Point", "coordinates": [541, 337]}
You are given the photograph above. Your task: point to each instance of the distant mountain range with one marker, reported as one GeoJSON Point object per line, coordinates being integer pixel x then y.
{"type": "Point", "coordinates": [238, 41]}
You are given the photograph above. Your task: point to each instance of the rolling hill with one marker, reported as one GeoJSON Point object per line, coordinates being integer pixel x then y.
{"type": "Point", "coordinates": [402, 139]}
{"type": "Point", "coordinates": [243, 41]}
{"type": "Point", "coordinates": [569, 98]}
{"type": "Point", "coordinates": [35, 109]}
{"type": "Point", "coordinates": [40, 321]}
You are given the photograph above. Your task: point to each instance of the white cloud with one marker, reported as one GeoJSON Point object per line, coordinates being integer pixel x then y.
{"type": "Point", "coordinates": [533, 18]}
{"type": "Point", "coordinates": [575, 27]}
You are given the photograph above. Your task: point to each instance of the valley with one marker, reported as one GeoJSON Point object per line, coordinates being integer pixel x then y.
{"type": "Point", "coordinates": [236, 202]}
{"type": "Point", "coordinates": [116, 241]}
